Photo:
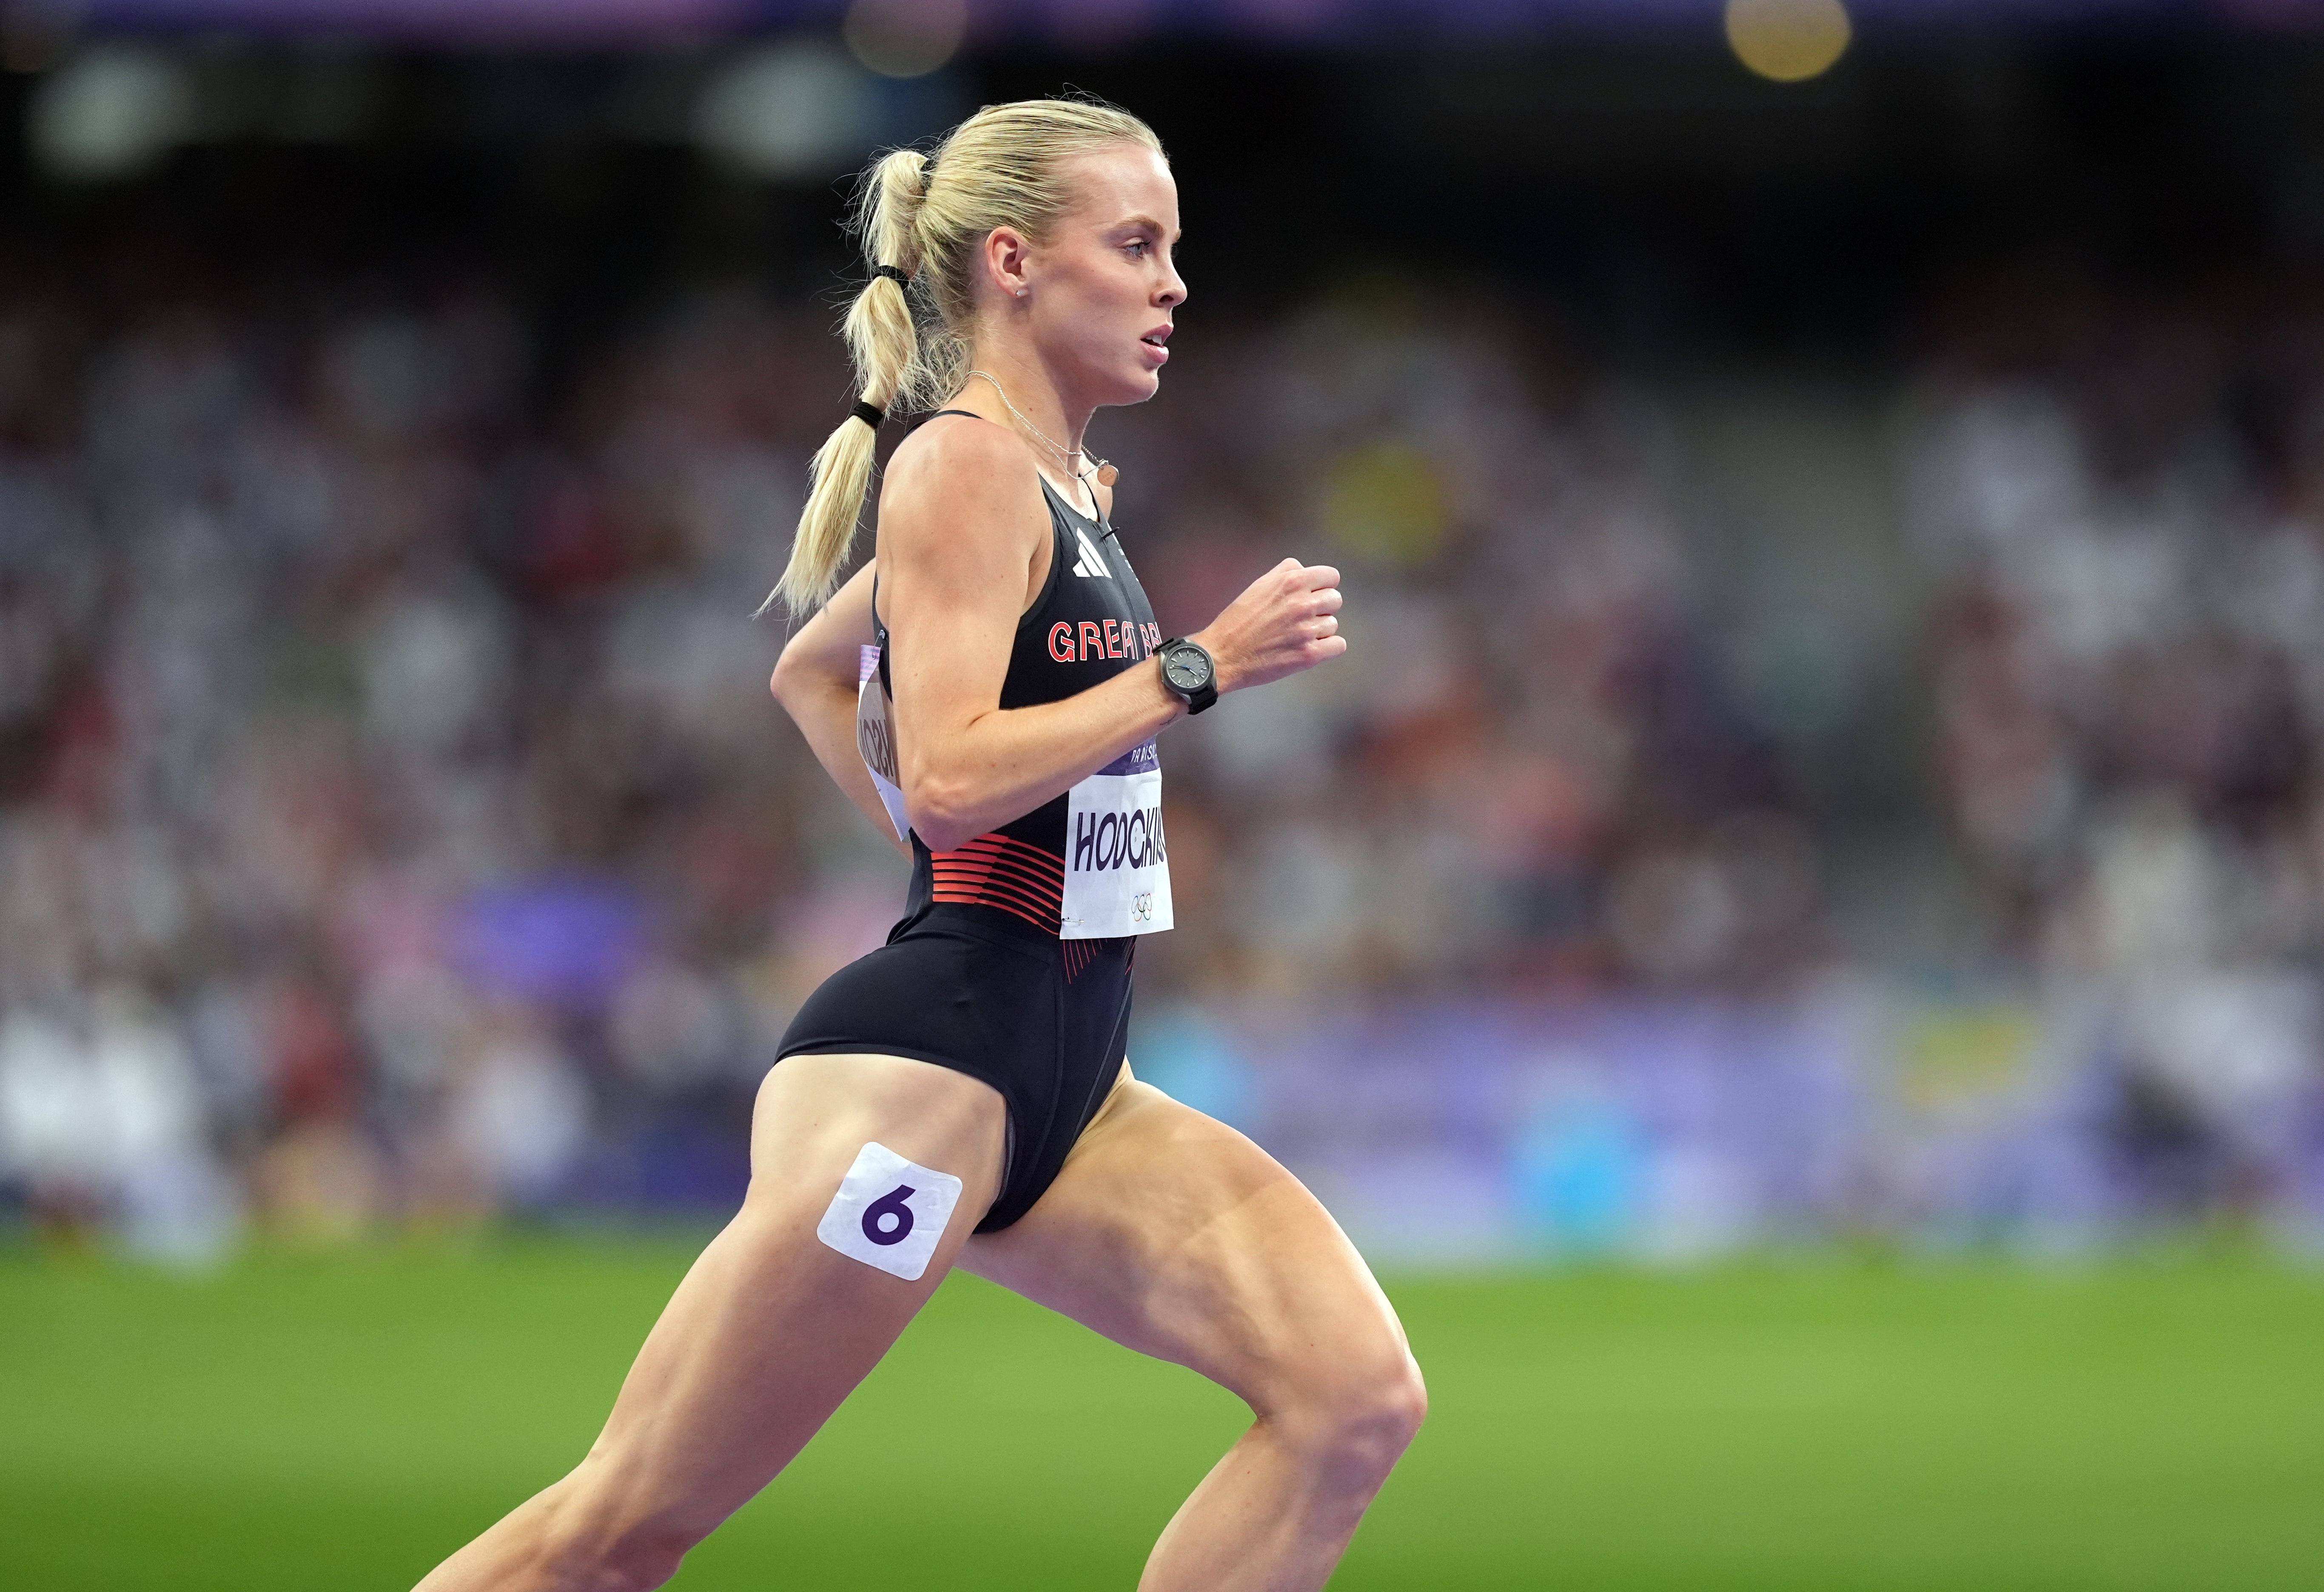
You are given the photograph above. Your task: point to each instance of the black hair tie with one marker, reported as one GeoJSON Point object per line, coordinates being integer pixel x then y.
{"type": "Point", "coordinates": [894, 273]}
{"type": "Point", "coordinates": [870, 417]}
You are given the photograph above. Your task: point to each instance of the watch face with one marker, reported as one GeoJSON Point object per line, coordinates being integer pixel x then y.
{"type": "Point", "coordinates": [1186, 671]}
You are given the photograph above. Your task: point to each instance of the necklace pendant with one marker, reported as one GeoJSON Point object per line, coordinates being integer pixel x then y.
{"type": "Point", "coordinates": [1107, 475]}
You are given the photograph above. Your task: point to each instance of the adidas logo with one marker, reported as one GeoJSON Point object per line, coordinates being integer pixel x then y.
{"type": "Point", "coordinates": [1092, 563]}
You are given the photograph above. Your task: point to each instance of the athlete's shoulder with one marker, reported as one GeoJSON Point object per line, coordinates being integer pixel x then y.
{"type": "Point", "coordinates": [961, 488]}
{"type": "Point", "coordinates": [954, 452]}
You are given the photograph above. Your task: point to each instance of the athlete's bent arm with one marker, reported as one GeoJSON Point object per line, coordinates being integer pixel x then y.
{"type": "Point", "coordinates": [815, 681]}
{"type": "Point", "coordinates": [961, 527]}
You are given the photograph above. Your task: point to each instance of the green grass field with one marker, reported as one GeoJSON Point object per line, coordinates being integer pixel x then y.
{"type": "Point", "coordinates": [343, 1422]}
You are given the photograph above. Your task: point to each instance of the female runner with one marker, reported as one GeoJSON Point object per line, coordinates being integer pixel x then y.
{"type": "Point", "coordinates": [961, 1096]}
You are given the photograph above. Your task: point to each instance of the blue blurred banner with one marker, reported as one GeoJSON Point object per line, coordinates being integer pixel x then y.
{"type": "Point", "coordinates": [1676, 1130]}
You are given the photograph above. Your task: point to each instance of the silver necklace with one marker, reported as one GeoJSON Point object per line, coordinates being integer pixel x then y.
{"type": "Point", "coordinates": [1106, 474]}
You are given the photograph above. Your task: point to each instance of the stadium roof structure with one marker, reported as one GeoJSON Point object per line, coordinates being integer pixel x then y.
{"type": "Point", "coordinates": [1083, 21]}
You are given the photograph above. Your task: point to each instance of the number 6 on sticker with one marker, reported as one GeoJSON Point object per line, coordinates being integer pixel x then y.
{"type": "Point", "coordinates": [889, 1212]}
{"type": "Point", "coordinates": [888, 1219]}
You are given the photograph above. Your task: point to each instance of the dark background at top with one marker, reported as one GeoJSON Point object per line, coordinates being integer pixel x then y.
{"type": "Point", "coordinates": [1670, 208]}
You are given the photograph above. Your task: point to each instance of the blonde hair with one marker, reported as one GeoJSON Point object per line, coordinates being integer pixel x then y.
{"type": "Point", "coordinates": [927, 216]}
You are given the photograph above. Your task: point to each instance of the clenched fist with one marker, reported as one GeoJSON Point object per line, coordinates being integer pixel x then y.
{"type": "Point", "coordinates": [1285, 621]}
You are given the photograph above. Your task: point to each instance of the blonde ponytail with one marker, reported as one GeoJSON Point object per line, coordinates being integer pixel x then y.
{"type": "Point", "coordinates": [883, 343]}
{"type": "Point", "coordinates": [925, 217]}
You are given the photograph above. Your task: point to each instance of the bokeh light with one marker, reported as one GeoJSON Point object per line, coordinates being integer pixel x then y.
{"type": "Point", "coordinates": [112, 113]}
{"type": "Point", "coordinates": [792, 110]}
{"type": "Point", "coordinates": [1788, 40]}
{"type": "Point", "coordinates": [906, 37]}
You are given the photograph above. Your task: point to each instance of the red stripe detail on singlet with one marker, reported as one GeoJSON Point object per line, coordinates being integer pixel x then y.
{"type": "Point", "coordinates": [997, 870]}
{"type": "Point", "coordinates": [1025, 863]}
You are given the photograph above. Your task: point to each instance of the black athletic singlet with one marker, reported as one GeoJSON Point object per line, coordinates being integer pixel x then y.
{"type": "Point", "coordinates": [975, 977]}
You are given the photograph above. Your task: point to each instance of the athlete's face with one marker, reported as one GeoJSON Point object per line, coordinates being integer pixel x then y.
{"type": "Point", "coordinates": [1102, 287]}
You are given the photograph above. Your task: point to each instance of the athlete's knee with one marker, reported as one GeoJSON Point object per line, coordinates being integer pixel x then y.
{"type": "Point", "coordinates": [1355, 1412]}
{"type": "Point", "coordinates": [593, 1540]}
{"type": "Point", "coordinates": [636, 1561]}
{"type": "Point", "coordinates": [1380, 1409]}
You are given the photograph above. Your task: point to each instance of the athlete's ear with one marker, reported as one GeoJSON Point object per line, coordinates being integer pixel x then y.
{"type": "Point", "coordinates": [1008, 257]}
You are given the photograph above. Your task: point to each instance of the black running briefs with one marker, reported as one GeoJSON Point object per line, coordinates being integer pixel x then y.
{"type": "Point", "coordinates": [1044, 1021]}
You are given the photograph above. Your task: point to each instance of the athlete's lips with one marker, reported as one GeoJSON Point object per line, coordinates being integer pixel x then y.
{"type": "Point", "coordinates": [1153, 341]}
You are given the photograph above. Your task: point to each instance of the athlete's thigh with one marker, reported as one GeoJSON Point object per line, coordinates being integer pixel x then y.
{"type": "Point", "coordinates": [771, 1328]}
{"type": "Point", "coordinates": [1175, 1235]}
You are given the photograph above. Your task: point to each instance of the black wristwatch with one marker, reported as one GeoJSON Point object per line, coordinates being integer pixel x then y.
{"type": "Point", "coordinates": [1187, 671]}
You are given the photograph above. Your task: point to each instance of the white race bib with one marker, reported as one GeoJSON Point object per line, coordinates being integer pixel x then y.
{"type": "Point", "coordinates": [1117, 862]}
{"type": "Point", "coordinates": [875, 739]}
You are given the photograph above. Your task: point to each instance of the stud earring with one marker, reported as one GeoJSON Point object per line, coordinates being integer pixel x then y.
{"type": "Point", "coordinates": [1021, 292]}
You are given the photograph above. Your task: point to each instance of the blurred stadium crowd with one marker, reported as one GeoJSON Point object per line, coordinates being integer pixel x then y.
{"type": "Point", "coordinates": [394, 827]}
